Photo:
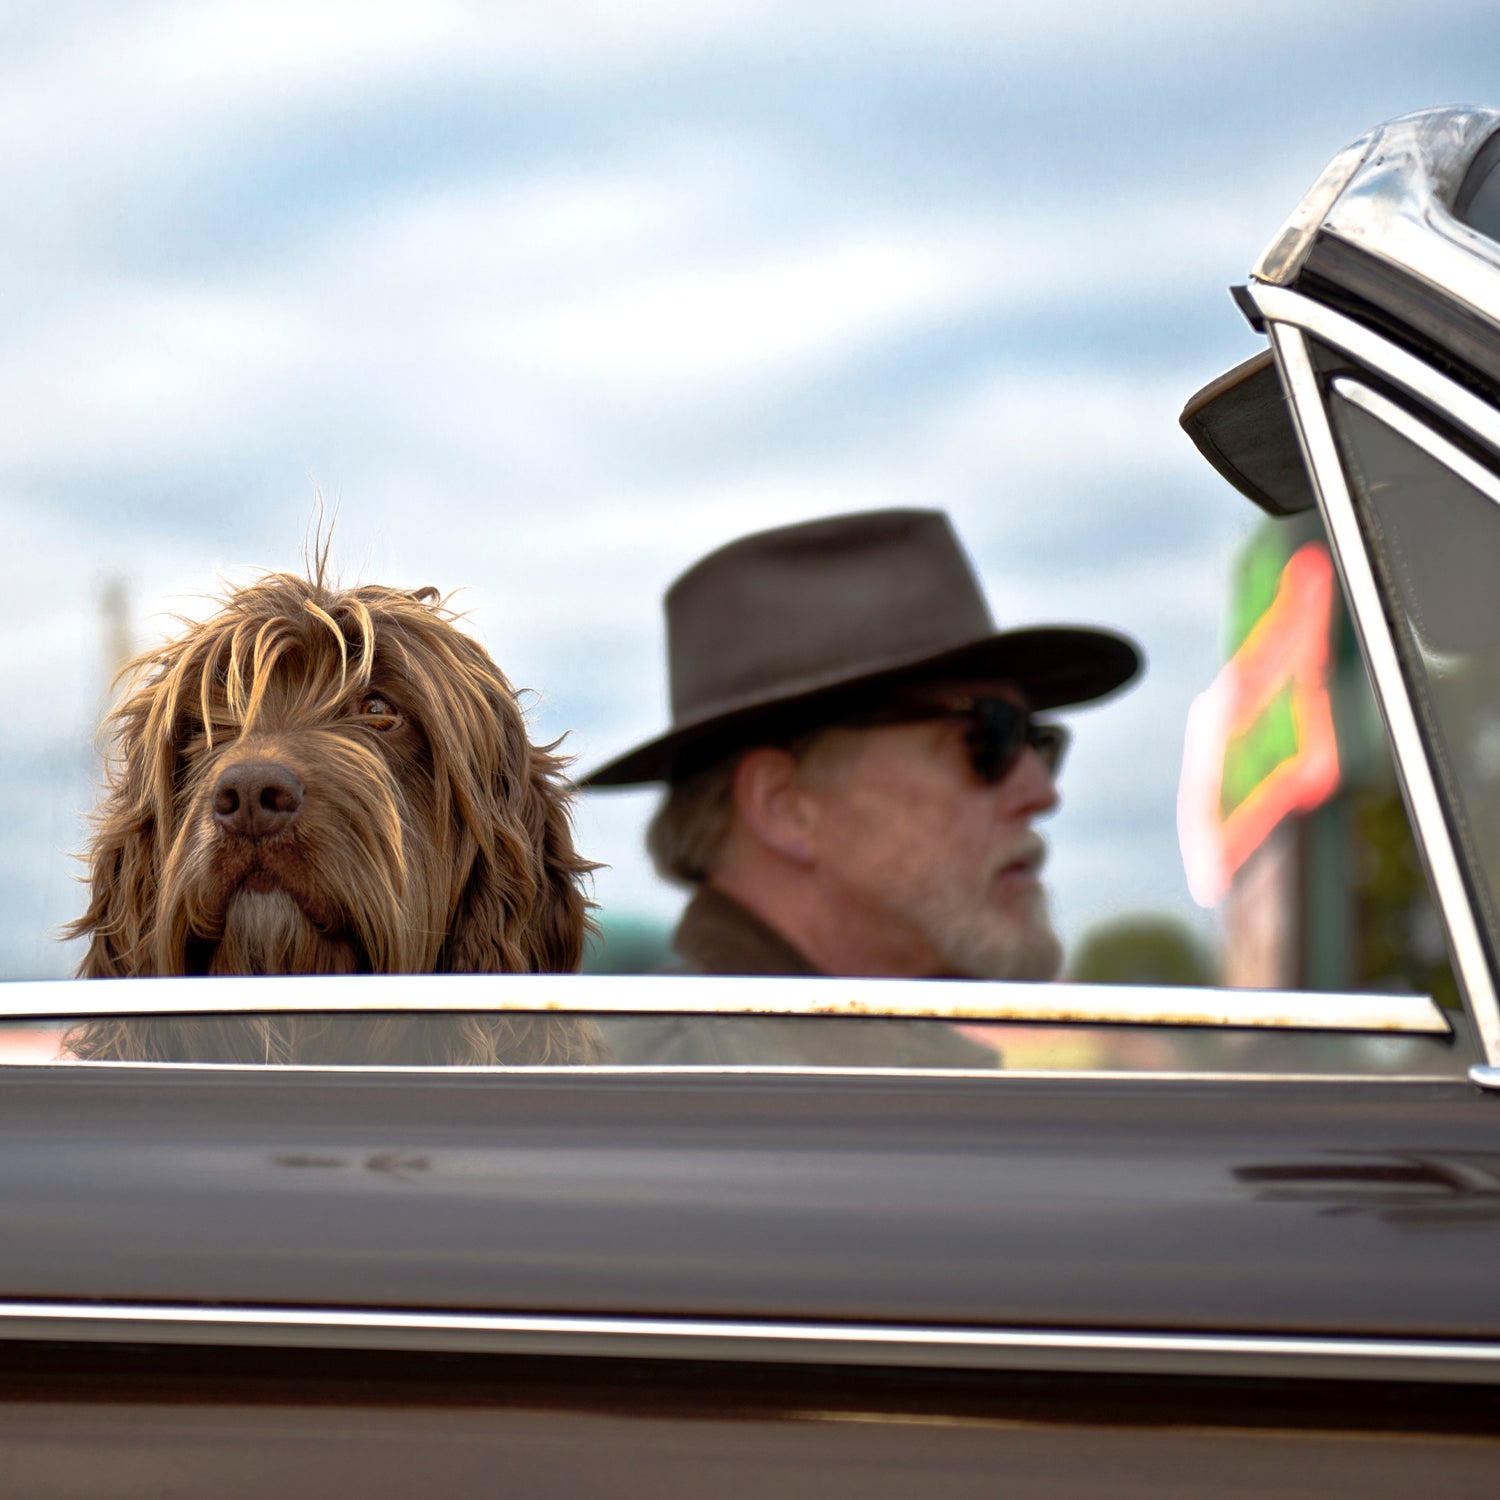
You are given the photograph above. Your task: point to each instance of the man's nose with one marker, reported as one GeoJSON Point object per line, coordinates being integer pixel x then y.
{"type": "Point", "coordinates": [1030, 790]}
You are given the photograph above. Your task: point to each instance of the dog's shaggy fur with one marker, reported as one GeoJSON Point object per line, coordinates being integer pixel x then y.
{"type": "Point", "coordinates": [407, 825]}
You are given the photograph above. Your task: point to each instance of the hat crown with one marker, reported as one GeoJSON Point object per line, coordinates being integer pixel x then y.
{"type": "Point", "coordinates": [778, 631]}
{"type": "Point", "coordinates": [789, 611]}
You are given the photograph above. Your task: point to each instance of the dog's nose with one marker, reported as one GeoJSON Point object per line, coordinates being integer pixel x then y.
{"type": "Point", "coordinates": [256, 798]}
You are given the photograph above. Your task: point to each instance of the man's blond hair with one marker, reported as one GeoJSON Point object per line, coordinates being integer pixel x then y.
{"type": "Point", "coordinates": [687, 833]}
{"type": "Point", "coordinates": [686, 836]}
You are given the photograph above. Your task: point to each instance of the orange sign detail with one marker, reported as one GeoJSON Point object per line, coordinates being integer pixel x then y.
{"type": "Point", "coordinates": [1260, 742]}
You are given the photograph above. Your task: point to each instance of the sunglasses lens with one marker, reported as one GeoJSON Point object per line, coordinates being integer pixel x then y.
{"type": "Point", "coordinates": [1049, 741]}
{"type": "Point", "coordinates": [996, 737]}
{"type": "Point", "coordinates": [999, 731]}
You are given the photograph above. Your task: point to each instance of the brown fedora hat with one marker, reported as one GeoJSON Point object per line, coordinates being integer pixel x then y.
{"type": "Point", "coordinates": [785, 629]}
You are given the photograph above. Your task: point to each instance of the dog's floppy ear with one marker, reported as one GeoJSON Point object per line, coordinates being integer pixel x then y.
{"type": "Point", "coordinates": [124, 853]}
{"type": "Point", "coordinates": [517, 903]}
{"type": "Point", "coordinates": [522, 909]}
{"type": "Point", "coordinates": [560, 923]}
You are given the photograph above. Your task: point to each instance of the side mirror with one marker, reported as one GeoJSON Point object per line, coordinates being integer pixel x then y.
{"type": "Point", "coordinates": [1240, 423]}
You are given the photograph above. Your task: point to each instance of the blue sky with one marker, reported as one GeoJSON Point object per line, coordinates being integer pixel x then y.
{"type": "Point", "coordinates": [549, 299]}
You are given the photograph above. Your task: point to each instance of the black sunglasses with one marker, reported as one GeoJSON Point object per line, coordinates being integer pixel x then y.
{"type": "Point", "coordinates": [997, 734]}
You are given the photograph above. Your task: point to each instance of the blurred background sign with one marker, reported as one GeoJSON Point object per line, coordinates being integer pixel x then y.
{"type": "Point", "coordinates": [1288, 812]}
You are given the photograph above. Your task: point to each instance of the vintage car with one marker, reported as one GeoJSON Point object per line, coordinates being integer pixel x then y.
{"type": "Point", "coordinates": [1249, 1247]}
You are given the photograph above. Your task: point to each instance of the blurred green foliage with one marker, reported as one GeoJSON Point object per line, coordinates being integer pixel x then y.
{"type": "Point", "coordinates": [1399, 941]}
{"type": "Point", "coordinates": [626, 944]}
{"type": "Point", "coordinates": [1142, 949]}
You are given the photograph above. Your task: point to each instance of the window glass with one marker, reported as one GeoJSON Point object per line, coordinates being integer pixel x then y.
{"type": "Point", "coordinates": [1435, 528]}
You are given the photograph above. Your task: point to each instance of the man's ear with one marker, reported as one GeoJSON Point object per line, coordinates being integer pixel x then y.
{"type": "Point", "coordinates": [775, 804]}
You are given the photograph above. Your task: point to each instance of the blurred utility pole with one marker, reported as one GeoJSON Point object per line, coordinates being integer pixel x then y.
{"type": "Point", "coordinates": [116, 641]}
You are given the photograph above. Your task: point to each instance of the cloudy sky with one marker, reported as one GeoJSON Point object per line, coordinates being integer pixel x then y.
{"type": "Point", "coordinates": [550, 298]}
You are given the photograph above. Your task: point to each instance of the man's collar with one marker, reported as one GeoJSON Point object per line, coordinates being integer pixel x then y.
{"type": "Point", "coordinates": [717, 935]}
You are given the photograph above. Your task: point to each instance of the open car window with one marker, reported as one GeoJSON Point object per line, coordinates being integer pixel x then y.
{"type": "Point", "coordinates": [1386, 269]}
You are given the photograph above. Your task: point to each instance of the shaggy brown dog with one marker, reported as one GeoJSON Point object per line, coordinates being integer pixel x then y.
{"type": "Point", "coordinates": [325, 781]}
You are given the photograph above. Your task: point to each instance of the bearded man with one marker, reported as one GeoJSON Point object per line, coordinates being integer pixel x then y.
{"type": "Point", "coordinates": [853, 774]}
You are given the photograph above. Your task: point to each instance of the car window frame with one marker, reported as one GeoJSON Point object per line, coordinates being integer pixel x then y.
{"type": "Point", "coordinates": [1064, 1005]}
{"type": "Point", "coordinates": [1294, 322]}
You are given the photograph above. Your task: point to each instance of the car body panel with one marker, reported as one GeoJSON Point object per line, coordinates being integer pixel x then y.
{"type": "Point", "coordinates": [1335, 1207]}
{"type": "Point", "coordinates": [243, 1427]}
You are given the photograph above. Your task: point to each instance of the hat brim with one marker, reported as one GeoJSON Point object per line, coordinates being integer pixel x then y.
{"type": "Point", "coordinates": [1054, 665]}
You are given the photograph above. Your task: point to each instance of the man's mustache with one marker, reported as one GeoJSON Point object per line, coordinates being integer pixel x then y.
{"type": "Point", "coordinates": [1027, 850]}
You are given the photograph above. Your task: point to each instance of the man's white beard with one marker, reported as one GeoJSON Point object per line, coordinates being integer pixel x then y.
{"type": "Point", "coordinates": [982, 943]}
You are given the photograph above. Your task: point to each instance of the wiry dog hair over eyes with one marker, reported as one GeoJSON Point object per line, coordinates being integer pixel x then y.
{"type": "Point", "coordinates": [406, 824]}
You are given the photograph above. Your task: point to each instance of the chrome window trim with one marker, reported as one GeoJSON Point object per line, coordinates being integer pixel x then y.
{"type": "Point", "coordinates": [1455, 401]}
{"type": "Point", "coordinates": [1289, 317]}
{"type": "Point", "coordinates": [1397, 206]}
{"type": "Point", "coordinates": [1419, 435]}
{"type": "Point", "coordinates": [646, 994]}
{"type": "Point", "coordinates": [748, 1070]}
{"type": "Point", "coordinates": [796, 1342]}
{"type": "Point", "coordinates": [1395, 188]}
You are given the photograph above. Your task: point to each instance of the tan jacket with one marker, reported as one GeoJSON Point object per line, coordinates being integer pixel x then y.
{"type": "Point", "coordinates": [719, 936]}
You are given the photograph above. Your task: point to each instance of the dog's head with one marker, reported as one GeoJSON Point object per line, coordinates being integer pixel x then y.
{"type": "Point", "coordinates": [319, 780]}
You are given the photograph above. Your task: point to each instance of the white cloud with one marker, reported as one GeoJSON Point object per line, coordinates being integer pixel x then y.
{"type": "Point", "coordinates": [761, 316]}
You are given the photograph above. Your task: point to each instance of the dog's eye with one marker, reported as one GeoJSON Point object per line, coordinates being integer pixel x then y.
{"type": "Point", "coordinates": [189, 738]}
{"type": "Point", "coordinates": [378, 712]}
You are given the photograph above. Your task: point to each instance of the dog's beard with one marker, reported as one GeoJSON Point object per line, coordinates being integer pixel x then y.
{"type": "Point", "coordinates": [266, 932]}
{"type": "Point", "coordinates": [335, 894]}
